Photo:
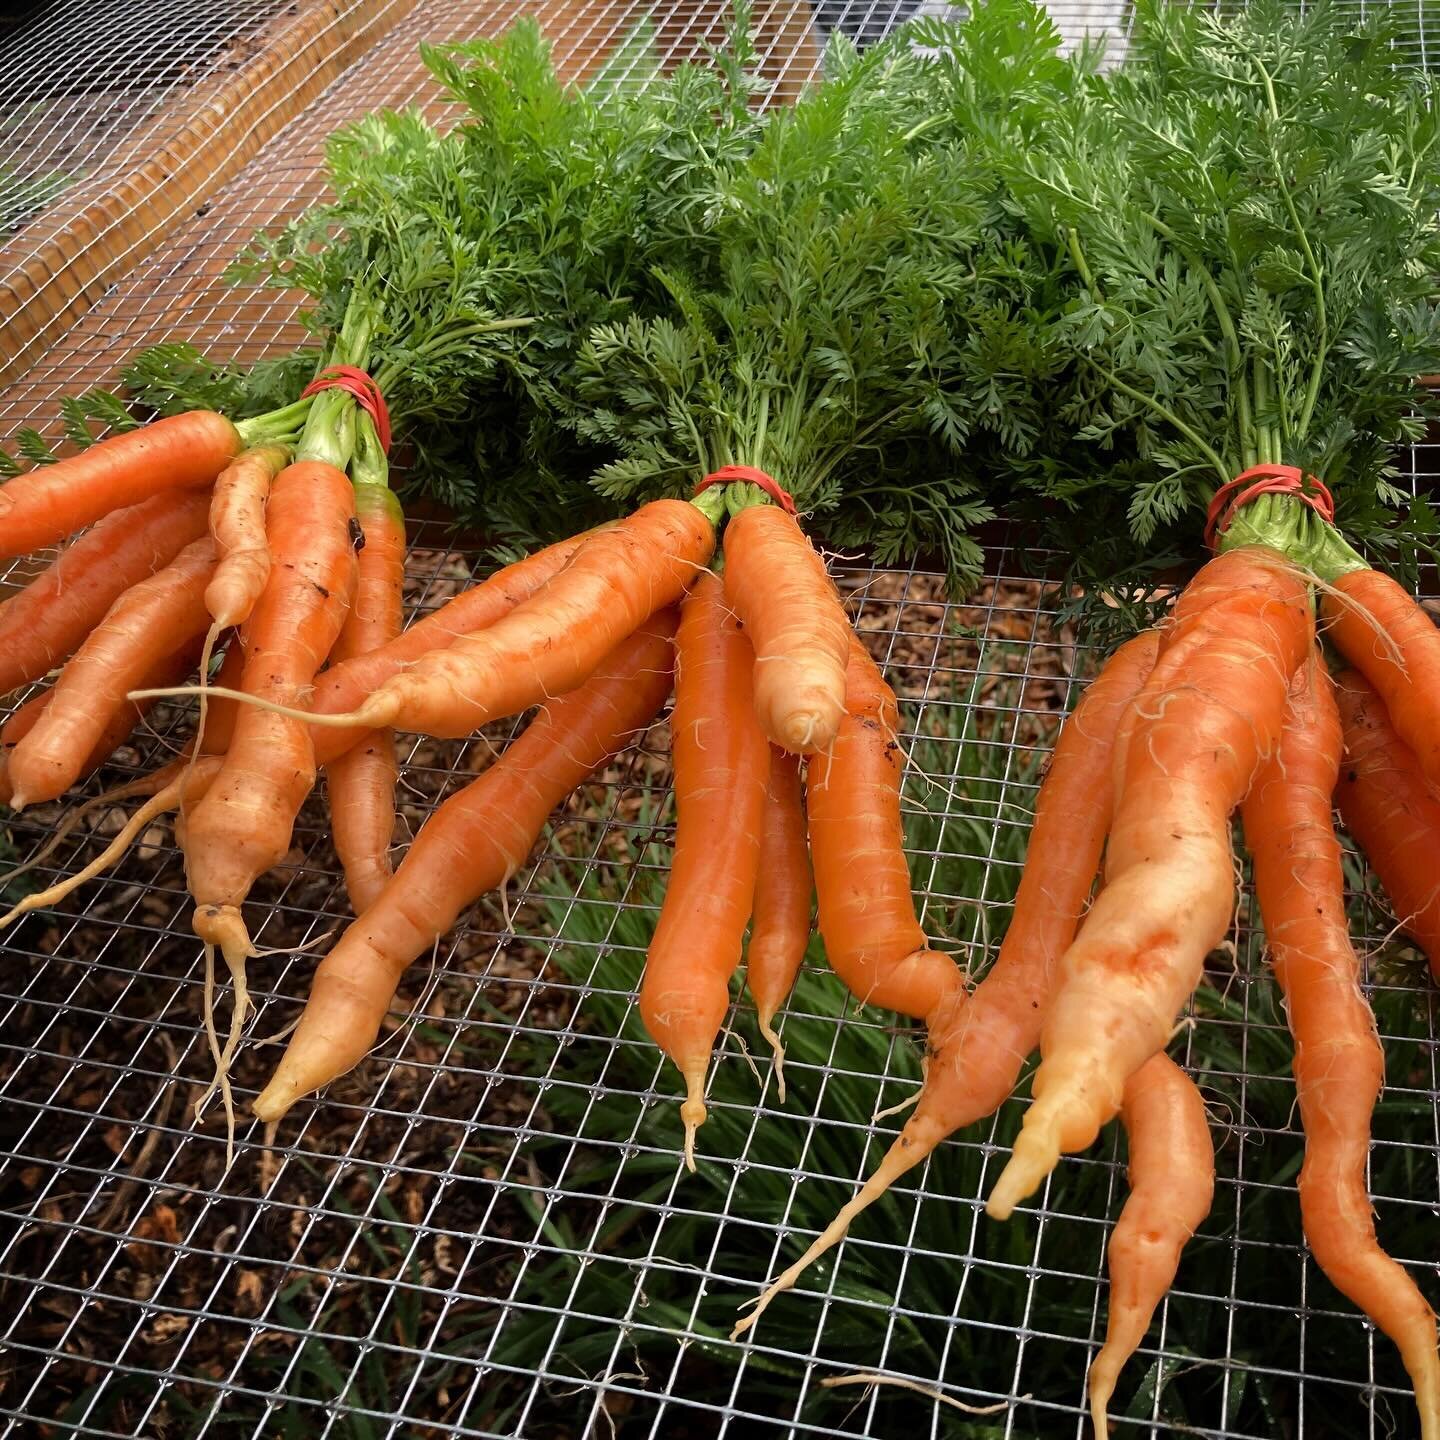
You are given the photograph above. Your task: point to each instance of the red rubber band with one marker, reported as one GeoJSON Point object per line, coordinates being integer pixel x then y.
{"type": "Point", "coordinates": [748, 474]}
{"type": "Point", "coordinates": [1265, 480]}
{"type": "Point", "coordinates": [363, 388]}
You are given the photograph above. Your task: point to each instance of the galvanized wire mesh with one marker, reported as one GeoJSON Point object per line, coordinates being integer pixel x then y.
{"type": "Point", "coordinates": [484, 1230]}
{"type": "Point", "coordinates": [77, 81]}
{"type": "Point", "coordinates": [421, 1252]}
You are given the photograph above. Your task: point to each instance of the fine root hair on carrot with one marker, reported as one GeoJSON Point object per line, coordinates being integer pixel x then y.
{"type": "Point", "coordinates": [1348, 602]}
{"type": "Point", "coordinates": [729, 1032]}
{"type": "Point", "coordinates": [873, 1379]}
{"type": "Point", "coordinates": [896, 1109]}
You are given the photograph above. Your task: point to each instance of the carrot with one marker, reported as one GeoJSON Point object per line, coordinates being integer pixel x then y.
{"type": "Point", "coordinates": [792, 613]}
{"type": "Point", "coordinates": [975, 1060]}
{"type": "Point", "coordinates": [345, 686]}
{"type": "Point", "coordinates": [1172, 1182]}
{"type": "Point", "coordinates": [46, 622]}
{"type": "Point", "coordinates": [862, 881]}
{"type": "Point", "coordinates": [242, 826]}
{"type": "Point", "coordinates": [1380, 629]}
{"type": "Point", "coordinates": [477, 840]}
{"type": "Point", "coordinates": [780, 926]}
{"type": "Point", "coordinates": [166, 671]}
{"type": "Point", "coordinates": [1209, 713]}
{"type": "Point", "coordinates": [182, 452]}
{"type": "Point", "coordinates": [237, 525]}
{"type": "Point", "coordinates": [1391, 811]}
{"type": "Point", "coordinates": [1339, 1066]}
{"type": "Point", "coordinates": [362, 781]}
{"type": "Point", "coordinates": [548, 644]}
{"type": "Point", "coordinates": [151, 620]}
{"type": "Point", "coordinates": [722, 765]}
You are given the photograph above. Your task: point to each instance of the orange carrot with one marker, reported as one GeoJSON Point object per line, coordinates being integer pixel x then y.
{"type": "Point", "coordinates": [1207, 716]}
{"type": "Point", "coordinates": [1392, 812]}
{"type": "Point", "coordinates": [151, 620]}
{"type": "Point", "coordinates": [792, 613]}
{"type": "Point", "coordinates": [182, 452]}
{"type": "Point", "coordinates": [1172, 1182]}
{"type": "Point", "coordinates": [722, 764]}
{"type": "Point", "coordinates": [362, 781]}
{"type": "Point", "coordinates": [47, 621]}
{"type": "Point", "coordinates": [242, 826]}
{"type": "Point", "coordinates": [237, 525]}
{"type": "Point", "coordinates": [867, 916]}
{"type": "Point", "coordinates": [1339, 1067]}
{"type": "Point", "coordinates": [977, 1050]}
{"type": "Point", "coordinates": [1380, 629]}
{"type": "Point", "coordinates": [780, 927]}
{"type": "Point", "coordinates": [550, 643]}
{"type": "Point", "coordinates": [477, 840]}
{"type": "Point", "coordinates": [345, 686]}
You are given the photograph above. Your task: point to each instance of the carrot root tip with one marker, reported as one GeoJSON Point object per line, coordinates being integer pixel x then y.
{"type": "Point", "coordinates": [1101, 1385]}
{"type": "Point", "coordinates": [693, 1112]}
{"type": "Point", "coordinates": [767, 1029]}
{"type": "Point", "coordinates": [1035, 1155]}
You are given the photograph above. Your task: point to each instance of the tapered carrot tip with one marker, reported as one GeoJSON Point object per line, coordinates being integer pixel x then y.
{"type": "Point", "coordinates": [1423, 1363]}
{"type": "Point", "coordinates": [273, 1103]}
{"type": "Point", "coordinates": [766, 1020]}
{"type": "Point", "coordinates": [1101, 1383]}
{"type": "Point", "coordinates": [1035, 1155]}
{"type": "Point", "coordinates": [693, 1112]}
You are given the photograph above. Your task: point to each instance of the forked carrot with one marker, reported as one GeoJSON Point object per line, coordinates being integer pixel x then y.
{"type": "Point", "coordinates": [1379, 628]}
{"type": "Point", "coordinates": [477, 840]}
{"type": "Point", "coordinates": [1339, 1067]}
{"type": "Point", "coordinates": [361, 782]}
{"type": "Point", "coordinates": [779, 587]}
{"type": "Point", "coordinates": [862, 880]}
{"type": "Point", "coordinates": [1210, 712]}
{"type": "Point", "coordinates": [242, 826]}
{"type": "Point", "coordinates": [343, 687]}
{"type": "Point", "coordinates": [548, 644]}
{"type": "Point", "coordinates": [722, 765]}
{"type": "Point", "coordinates": [975, 1059]}
{"type": "Point", "coordinates": [153, 619]}
{"type": "Point", "coordinates": [182, 452]}
{"type": "Point", "coordinates": [1172, 1182]}
{"type": "Point", "coordinates": [44, 624]}
{"type": "Point", "coordinates": [1392, 812]}
{"type": "Point", "coordinates": [784, 891]}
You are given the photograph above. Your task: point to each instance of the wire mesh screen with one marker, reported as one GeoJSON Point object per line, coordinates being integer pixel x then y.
{"type": "Point", "coordinates": [485, 1230]}
{"type": "Point", "coordinates": [75, 83]}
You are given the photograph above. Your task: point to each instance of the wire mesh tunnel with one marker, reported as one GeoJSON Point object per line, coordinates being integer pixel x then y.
{"type": "Point", "coordinates": [484, 1230]}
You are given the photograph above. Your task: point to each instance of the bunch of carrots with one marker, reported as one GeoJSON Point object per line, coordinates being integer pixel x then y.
{"type": "Point", "coordinates": [277, 543]}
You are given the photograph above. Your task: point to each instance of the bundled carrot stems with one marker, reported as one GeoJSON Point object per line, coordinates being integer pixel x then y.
{"type": "Point", "coordinates": [1182, 304]}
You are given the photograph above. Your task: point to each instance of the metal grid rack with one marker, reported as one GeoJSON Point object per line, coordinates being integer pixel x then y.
{"type": "Point", "coordinates": [484, 1231]}
{"type": "Point", "coordinates": [422, 1251]}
